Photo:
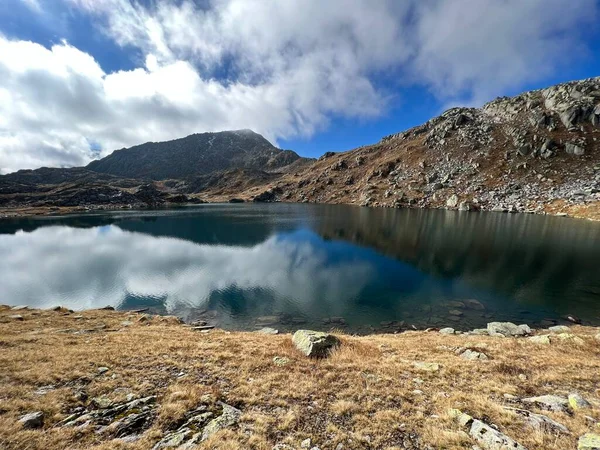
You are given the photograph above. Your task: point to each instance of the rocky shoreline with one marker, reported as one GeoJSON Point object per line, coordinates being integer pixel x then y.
{"type": "Point", "coordinates": [123, 379]}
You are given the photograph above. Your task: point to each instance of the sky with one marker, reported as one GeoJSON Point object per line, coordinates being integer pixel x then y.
{"type": "Point", "coordinates": [81, 78]}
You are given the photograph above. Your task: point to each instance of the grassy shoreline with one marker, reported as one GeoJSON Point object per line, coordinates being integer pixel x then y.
{"type": "Point", "coordinates": [370, 393]}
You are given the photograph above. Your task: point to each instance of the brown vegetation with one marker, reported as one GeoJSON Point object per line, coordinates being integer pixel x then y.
{"type": "Point", "coordinates": [367, 394]}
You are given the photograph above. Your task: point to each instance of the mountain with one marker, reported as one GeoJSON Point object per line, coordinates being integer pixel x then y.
{"type": "Point", "coordinates": [535, 152]}
{"type": "Point", "coordinates": [198, 154]}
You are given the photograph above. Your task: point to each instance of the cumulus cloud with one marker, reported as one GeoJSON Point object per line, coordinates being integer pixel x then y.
{"type": "Point", "coordinates": [283, 69]}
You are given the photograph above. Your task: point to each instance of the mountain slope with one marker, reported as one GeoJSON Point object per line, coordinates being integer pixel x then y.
{"type": "Point", "coordinates": [538, 151]}
{"type": "Point", "coordinates": [198, 154]}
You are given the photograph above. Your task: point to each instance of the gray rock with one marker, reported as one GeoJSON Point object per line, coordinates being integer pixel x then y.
{"type": "Point", "coordinates": [315, 343]}
{"type": "Point", "coordinates": [559, 329]}
{"type": "Point", "coordinates": [541, 339]}
{"type": "Point", "coordinates": [268, 330]}
{"type": "Point", "coordinates": [473, 355]}
{"type": "Point", "coordinates": [32, 420]}
{"type": "Point", "coordinates": [452, 201]}
{"type": "Point", "coordinates": [491, 439]}
{"type": "Point", "coordinates": [102, 370]}
{"type": "Point", "coordinates": [507, 329]}
{"type": "Point", "coordinates": [540, 422]}
{"type": "Point", "coordinates": [18, 317]}
{"type": "Point", "coordinates": [447, 330]}
{"type": "Point", "coordinates": [305, 443]}
{"type": "Point", "coordinates": [281, 361]}
{"type": "Point", "coordinates": [228, 418]}
{"type": "Point", "coordinates": [574, 149]}
{"type": "Point", "coordinates": [480, 332]}
{"type": "Point", "coordinates": [549, 402]}
{"type": "Point", "coordinates": [174, 440]}
{"type": "Point", "coordinates": [577, 402]}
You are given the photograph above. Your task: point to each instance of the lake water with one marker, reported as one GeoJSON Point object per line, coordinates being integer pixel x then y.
{"type": "Point", "coordinates": [308, 266]}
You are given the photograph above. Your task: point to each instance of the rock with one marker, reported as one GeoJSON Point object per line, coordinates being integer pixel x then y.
{"type": "Point", "coordinates": [447, 330]}
{"type": "Point", "coordinates": [589, 441]}
{"type": "Point", "coordinates": [102, 370]}
{"type": "Point", "coordinates": [574, 149]}
{"type": "Point", "coordinates": [540, 422]}
{"type": "Point", "coordinates": [480, 332]}
{"type": "Point", "coordinates": [32, 420]}
{"type": "Point", "coordinates": [268, 330]}
{"type": "Point", "coordinates": [506, 329]}
{"type": "Point", "coordinates": [487, 437]}
{"type": "Point", "coordinates": [283, 447]}
{"type": "Point", "coordinates": [491, 439]}
{"type": "Point", "coordinates": [541, 339]}
{"type": "Point", "coordinates": [426, 366]}
{"type": "Point", "coordinates": [549, 402]}
{"type": "Point", "coordinates": [597, 337]}
{"type": "Point", "coordinates": [474, 304]}
{"type": "Point", "coordinates": [174, 440]}
{"type": "Point", "coordinates": [472, 355]}
{"type": "Point", "coordinates": [452, 201]}
{"type": "Point", "coordinates": [568, 337]}
{"type": "Point", "coordinates": [559, 329]}
{"type": "Point", "coordinates": [455, 312]}
{"type": "Point", "coordinates": [228, 418]}
{"type": "Point", "coordinates": [314, 343]}
{"type": "Point", "coordinates": [18, 317]}
{"type": "Point", "coordinates": [281, 361]}
{"type": "Point", "coordinates": [126, 323]}
{"type": "Point", "coordinates": [305, 443]}
{"type": "Point", "coordinates": [102, 402]}
{"type": "Point", "coordinates": [577, 402]}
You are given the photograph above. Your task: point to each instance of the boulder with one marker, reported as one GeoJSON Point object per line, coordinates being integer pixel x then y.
{"type": "Point", "coordinates": [268, 330]}
{"type": "Point", "coordinates": [228, 418]}
{"type": "Point", "coordinates": [32, 420]}
{"type": "Point", "coordinates": [589, 441]}
{"type": "Point", "coordinates": [505, 329]}
{"type": "Point", "coordinates": [447, 330]}
{"type": "Point", "coordinates": [541, 339]}
{"type": "Point", "coordinates": [559, 329]}
{"type": "Point", "coordinates": [491, 439]}
{"type": "Point", "coordinates": [473, 355]}
{"type": "Point", "coordinates": [315, 343]}
{"type": "Point", "coordinates": [576, 402]}
{"type": "Point", "coordinates": [574, 149]}
{"type": "Point", "coordinates": [549, 402]}
{"type": "Point", "coordinates": [452, 201]}
{"type": "Point", "coordinates": [540, 422]}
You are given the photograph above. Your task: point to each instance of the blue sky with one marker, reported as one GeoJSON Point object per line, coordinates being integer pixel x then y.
{"type": "Point", "coordinates": [80, 78]}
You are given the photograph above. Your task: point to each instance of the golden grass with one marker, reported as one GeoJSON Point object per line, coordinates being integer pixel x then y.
{"type": "Point", "coordinates": [364, 396]}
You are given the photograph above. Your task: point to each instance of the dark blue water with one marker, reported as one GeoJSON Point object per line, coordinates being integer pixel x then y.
{"type": "Point", "coordinates": [317, 266]}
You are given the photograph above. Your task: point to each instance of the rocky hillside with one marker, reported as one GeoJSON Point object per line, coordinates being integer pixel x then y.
{"type": "Point", "coordinates": [538, 151]}
{"type": "Point", "coordinates": [198, 154]}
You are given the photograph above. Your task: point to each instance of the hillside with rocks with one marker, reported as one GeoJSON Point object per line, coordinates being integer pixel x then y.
{"type": "Point", "coordinates": [536, 152]}
{"type": "Point", "coordinates": [198, 154]}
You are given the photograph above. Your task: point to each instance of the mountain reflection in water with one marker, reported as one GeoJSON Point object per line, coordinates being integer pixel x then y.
{"type": "Point", "coordinates": [302, 264]}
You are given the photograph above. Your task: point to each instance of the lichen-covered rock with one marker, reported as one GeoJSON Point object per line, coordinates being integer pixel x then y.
{"type": "Point", "coordinates": [473, 355]}
{"type": "Point", "coordinates": [507, 329]}
{"type": "Point", "coordinates": [541, 339]}
{"type": "Point", "coordinates": [576, 402]}
{"type": "Point", "coordinates": [315, 343]}
{"type": "Point", "coordinates": [229, 417]}
{"type": "Point", "coordinates": [589, 441]}
{"type": "Point", "coordinates": [559, 329]}
{"type": "Point", "coordinates": [491, 439]}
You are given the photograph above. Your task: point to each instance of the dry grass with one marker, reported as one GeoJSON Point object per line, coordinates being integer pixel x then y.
{"type": "Point", "coordinates": [363, 396]}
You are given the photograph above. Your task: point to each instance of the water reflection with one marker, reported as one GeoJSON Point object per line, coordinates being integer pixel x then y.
{"type": "Point", "coordinates": [237, 264]}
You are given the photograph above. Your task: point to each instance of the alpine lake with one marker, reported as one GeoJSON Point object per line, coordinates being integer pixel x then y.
{"type": "Point", "coordinates": [291, 266]}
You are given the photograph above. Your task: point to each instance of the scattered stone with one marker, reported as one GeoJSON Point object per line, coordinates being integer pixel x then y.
{"type": "Point", "coordinates": [447, 330]}
{"type": "Point", "coordinates": [281, 361]}
{"type": "Point", "coordinates": [549, 402]}
{"type": "Point", "coordinates": [589, 441]}
{"type": "Point", "coordinates": [540, 422]}
{"type": "Point", "coordinates": [577, 402]}
{"type": "Point", "coordinates": [472, 355]}
{"type": "Point", "coordinates": [541, 339]}
{"type": "Point", "coordinates": [426, 366]}
{"type": "Point", "coordinates": [559, 329]}
{"type": "Point", "coordinates": [229, 417]}
{"type": "Point", "coordinates": [315, 343]}
{"type": "Point", "coordinates": [505, 329]}
{"type": "Point", "coordinates": [32, 420]}
{"type": "Point", "coordinates": [268, 330]}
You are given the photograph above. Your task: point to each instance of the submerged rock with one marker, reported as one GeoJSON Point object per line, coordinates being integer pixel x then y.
{"type": "Point", "coordinates": [315, 343]}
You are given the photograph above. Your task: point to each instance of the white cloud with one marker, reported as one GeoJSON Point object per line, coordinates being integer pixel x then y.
{"type": "Point", "coordinates": [280, 68]}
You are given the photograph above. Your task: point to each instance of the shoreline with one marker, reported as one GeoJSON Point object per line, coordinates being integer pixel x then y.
{"type": "Point", "coordinates": [104, 379]}
{"type": "Point", "coordinates": [589, 211]}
